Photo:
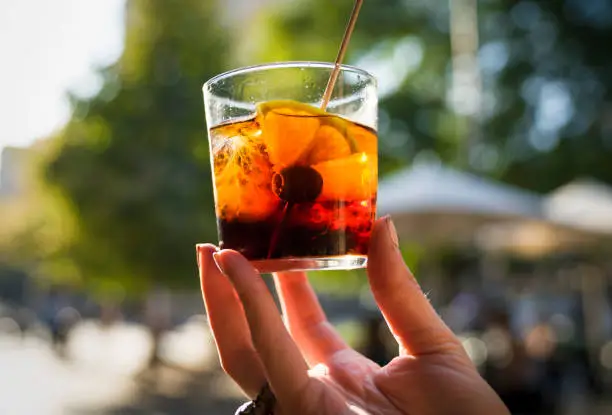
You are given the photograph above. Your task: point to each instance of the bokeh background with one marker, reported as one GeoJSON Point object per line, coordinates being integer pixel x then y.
{"type": "Point", "coordinates": [495, 161]}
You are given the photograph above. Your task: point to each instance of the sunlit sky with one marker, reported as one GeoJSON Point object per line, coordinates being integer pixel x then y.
{"type": "Point", "coordinates": [48, 47]}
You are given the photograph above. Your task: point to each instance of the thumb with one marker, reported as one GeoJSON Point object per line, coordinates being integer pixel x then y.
{"type": "Point", "coordinates": [411, 318]}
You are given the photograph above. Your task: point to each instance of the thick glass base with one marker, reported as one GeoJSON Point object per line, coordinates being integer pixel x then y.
{"type": "Point", "coordinates": [343, 262]}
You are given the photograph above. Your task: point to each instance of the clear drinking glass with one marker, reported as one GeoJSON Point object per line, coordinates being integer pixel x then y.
{"type": "Point", "coordinates": [295, 186]}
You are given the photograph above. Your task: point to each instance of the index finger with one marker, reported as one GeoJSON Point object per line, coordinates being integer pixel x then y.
{"type": "Point", "coordinates": [283, 362]}
{"type": "Point", "coordinates": [228, 324]}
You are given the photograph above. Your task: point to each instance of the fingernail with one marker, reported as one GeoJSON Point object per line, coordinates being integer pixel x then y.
{"type": "Point", "coordinates": [392, 231]}
{"type": "Point", "coordinates": [217, 259]}
{"type": "Point", "coordinates": [200, 248]}
{"type": "Point", "coordinates": [198, 256]}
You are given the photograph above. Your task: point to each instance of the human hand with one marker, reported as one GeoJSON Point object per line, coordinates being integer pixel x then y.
{"type": "Point", "coordinates": [311, 370]}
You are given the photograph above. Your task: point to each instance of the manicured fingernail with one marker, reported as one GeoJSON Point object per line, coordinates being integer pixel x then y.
{"type": "Point", "coordinates": [392, 231]}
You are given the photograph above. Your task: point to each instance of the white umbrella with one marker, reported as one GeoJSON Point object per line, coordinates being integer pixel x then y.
{"type": "Point", "coordinates": [582, 204]}
{"type": "Point", "coordinates": [578, 217]}
{"type": "Point", "coordinates": [436, 204]}
{"type": "Point", "coordinates": [534, 238]}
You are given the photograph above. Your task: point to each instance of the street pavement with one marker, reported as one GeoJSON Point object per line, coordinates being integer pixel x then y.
{"type": "Point", "coordinates": [102, 374]}
{"type": "Point", "coordinates": [34, 381]}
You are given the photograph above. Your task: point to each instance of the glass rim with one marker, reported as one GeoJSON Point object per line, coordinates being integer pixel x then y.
{"type": "Point", "coordinates": [286, 64]}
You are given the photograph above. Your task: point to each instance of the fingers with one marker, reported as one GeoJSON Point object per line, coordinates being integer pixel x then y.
{"type": "Point", "coordinates": [305, 318]}
{"type": "Point", "coordinates": [410, 316]}
{"type": "Point", "coordinates": [283, 363]}
{"type": "Point", "coordinates": [228, 324]}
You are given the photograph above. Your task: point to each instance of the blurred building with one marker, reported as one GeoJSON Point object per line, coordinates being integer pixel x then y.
{"type": "Point", "coordinates": [12, 160]}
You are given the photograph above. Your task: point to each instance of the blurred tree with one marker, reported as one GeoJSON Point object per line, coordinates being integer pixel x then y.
{"type": "Point", "coordinates": [549, 80]}
{"type": "Point", "coordinates": [35, 227]}
{"type": "Point", "coordinates": [133, 161]}
{"type": "Point", "coordinates": [405, 43]}
{"type": "Point", "coordinates": [545, 69]}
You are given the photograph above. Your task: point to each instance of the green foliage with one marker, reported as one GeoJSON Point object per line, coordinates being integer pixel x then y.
{"type": "Point", "coordinates": [133, 161]}
{"type": "Point", "coordinates": [133, 164]}
{"type": "Point", "coordinates": [338, 283]}
{"type": "Point", "coordinates": [529, 51]}
{"type": "Point", "coordinates": [556, 49]}
{"type": "Point", "coordinates": [402, 37]}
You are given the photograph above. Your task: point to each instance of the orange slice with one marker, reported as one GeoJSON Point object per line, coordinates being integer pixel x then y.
{"type": "Point", "coordinates": [287, 134]}
{"type": "Point", "coordinates": [297, 133]}
{"type": "Point", "coordinates": [366, 139]}
{"type": "Point", "coordinates": [350, 178]}
{"type": "Point", "coordinates": [328, 144]}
